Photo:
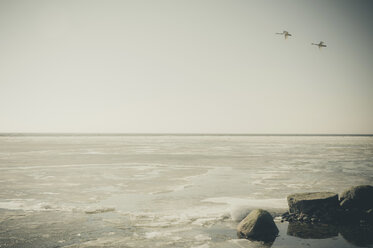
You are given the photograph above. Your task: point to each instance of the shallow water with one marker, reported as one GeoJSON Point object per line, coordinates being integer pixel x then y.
{"type": "Point", "coordinates": [166, 191]}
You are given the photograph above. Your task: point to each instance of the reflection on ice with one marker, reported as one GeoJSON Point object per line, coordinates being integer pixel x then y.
{"type": "Point", "coordinates": [312, 231]}
{"type": "Point", "coordinates": [361, 236]}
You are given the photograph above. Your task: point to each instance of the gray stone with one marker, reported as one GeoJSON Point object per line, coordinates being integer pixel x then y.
{"type": "Point", "coordinates": [323, 205]}
{"type": "Point", "coordinates": [258, 225]}
{"type": "Point", "coordinates": [359, 197]}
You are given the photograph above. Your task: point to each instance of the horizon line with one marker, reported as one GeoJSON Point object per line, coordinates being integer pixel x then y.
{"type": "Point", "coordinates": [172, 134]}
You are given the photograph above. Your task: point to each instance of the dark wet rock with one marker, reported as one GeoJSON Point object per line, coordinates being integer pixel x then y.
{"type": "Point", "coordinates": [359, 197]}
{"type": "Point", "coordinates": [258, 225]}
{"type": "Point", "coordinates": [306, 219]}
{"type": "Point", "coordinates": [321, 215]}
{"type": "Point", "coordinates": [321, 206]}
{"type": "Point", "coordinates": [357, 235]}
{"type": "Point", "coordinates": [312, 203]}
{"type": "Point", "coordinates": [354, 216]}
{"type": "Point", "coordinates": [312, 231]}
{"type": "Point", "coordinates": [369, 216]}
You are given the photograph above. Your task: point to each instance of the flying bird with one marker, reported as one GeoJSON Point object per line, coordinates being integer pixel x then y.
{"type": "Point", "coordinates": [320, 45]}
{"type": "Point", "coordinates": [286, 34]}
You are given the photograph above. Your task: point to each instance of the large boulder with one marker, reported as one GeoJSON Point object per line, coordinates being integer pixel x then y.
{"type": "Point", "coordinates": [258, 225]}
{"type": "Point", "coordinates": [322, 206]}
{"type": "Point", "coordinates": [309, 203]}
{"type": "Point", "coordinates": [359, 198]}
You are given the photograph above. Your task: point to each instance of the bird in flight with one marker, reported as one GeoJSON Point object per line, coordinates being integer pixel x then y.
{"type": "Point", "coordinates": [286, 34]}
{"type": "Point", "coordinates": [320, 45]}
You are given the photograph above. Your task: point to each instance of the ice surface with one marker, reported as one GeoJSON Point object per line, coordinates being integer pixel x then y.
{"type": "Point", "coordinates": [182, 191]}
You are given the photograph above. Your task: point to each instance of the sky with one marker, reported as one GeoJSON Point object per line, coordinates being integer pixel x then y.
{"type": "Point", "coordinates": [186, 66]}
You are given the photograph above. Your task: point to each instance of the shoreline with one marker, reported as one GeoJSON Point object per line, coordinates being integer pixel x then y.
{"type": "Point", "coordinates": [80, 229]}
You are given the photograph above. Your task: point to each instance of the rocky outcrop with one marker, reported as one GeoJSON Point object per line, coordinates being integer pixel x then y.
{"type": "Point", "coordinates": [312, 207]}
{"type": "Point", "coordinates": [258, 225]}
{"type": "Point", "coordinates": [320, 215]}
{"type": "Point", "coordinates": [354, 206]}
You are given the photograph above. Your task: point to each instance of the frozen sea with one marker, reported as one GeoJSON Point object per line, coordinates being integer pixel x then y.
{"type": "Point", "coordinates": [166, 190]}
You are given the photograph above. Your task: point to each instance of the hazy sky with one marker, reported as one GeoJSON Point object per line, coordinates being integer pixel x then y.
{"type": "Point", "coordinates": [186, 66]}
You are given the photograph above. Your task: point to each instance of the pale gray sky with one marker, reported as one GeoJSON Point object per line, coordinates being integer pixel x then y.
{"type": "Point", "coordinates": [186, 66]}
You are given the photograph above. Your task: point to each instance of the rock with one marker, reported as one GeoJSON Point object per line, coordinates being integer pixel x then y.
{"type": "Point", "coordinates": [369, 216]}
{"type": "Point", "coordinates": [258, 225]}
{"type": "Point", "coordinates": [359, 197]}
{"type": "Point", "coordinates": [353, 216]}
{"type": "Point", "coordinates": [321, 205]}
{"type": "Point", "coordinates": [312, 203]}
{"type": "Point", "coordinates": [285, 215]}
{"type": "Point", "coordinates": [306, 219]}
